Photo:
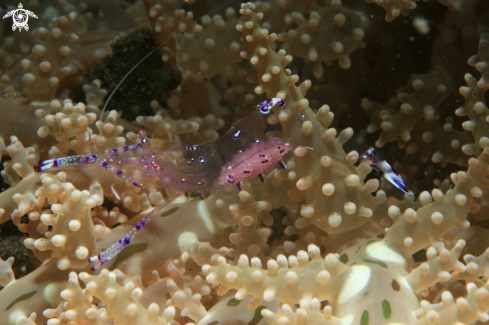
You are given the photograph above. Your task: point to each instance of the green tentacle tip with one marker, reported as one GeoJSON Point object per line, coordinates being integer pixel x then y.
{"type": "Point", "coordinates": [376, 262]}
{"type": "Point", "coordinates": [344, 258]}
{"type": "Point", "coordinates": [126, 253]}
{"type": "Point", "coordinates": [233, 302]}
{"type": "Point", "coordinates": [370, 242]}
{"type": "Point", "coordinates": [386, 308]}
{"type": "Point", "coordinates": [21, 298]}
{"type": "Point", "coordinates": [365, 318]}
{"type": "Point", "coordinates": [169, 212]}
{"type": "Point", "coordinates": [258, 316]}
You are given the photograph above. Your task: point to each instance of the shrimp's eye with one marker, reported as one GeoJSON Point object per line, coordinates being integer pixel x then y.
{"type": "Point", "coordinates": [141, 133]}
{"type": "Point", "coordinates": [155, 166]}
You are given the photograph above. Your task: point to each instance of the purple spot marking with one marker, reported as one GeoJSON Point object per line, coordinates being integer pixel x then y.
{"type": "Point", "coordinates": [139, 226]}
{"type": "Point", "coordinates": [104, 164]}
{"type": "Point", "coordinates": [265, 108]}
{"type": "Point", "coordinates": [127, 240]}
{"type": "Point", "coordinates": [92, 268]}
{"type": "Point", "coordinates": [144, 140]}
{"type": "Point", "coordinates": [136, 184]}
{"type": "Point", "coordinates": [237, 135]}
{"type": "Point", "coordinates": [137, 145]}
{"type": "Point", "coordinates": [282, 151]}
{"type": "Point", "coordinates": [264, 161]}
{"type": "Point", "coordinates": [302, 116]}
{"type": "Point", "coordinates": [261, 155]}
{"type": "Point", "coordinates": [114, 150]}
{"type": "Point", "coordinates": [246, 171]}
{"type": "Point", "coordinates": [55, 163]}
{"type": "Point", "coordinates": [281, 103]}
{"type": "Point", "coordinates": [201, 160]}
{"type": "Point", "coordinates": [119, 172]}
{"type": "Point", "coordinates": [126, 148]}
{"type": "Point", "coordinates": [261, 177]}
{"type": "Point", "coordinates": [238, 185]}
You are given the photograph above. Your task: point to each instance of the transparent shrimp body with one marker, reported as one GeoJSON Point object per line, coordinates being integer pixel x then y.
{"type": "Point", "coordinates": [245, 151]}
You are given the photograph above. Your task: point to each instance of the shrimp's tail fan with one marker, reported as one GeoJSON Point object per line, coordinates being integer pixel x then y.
{"type": "Point", "coordinates": [375, 161]}
{"type": "Point", "coordinates": [66, 162]}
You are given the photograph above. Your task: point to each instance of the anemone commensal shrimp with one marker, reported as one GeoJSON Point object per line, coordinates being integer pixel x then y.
{"type": "Point", "coordinates": [234, 158]}
{"type": "Point", "coordinates": [238, 156]}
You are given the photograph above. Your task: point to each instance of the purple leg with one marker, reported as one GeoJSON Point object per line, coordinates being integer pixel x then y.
{"type": "Point", "coordinates": [112, 153]}
{"type": "Point", "coordinates": [66, 162]}
{"type": "Point", "coordinates": [119, 173]}
{"type": "Point", "coordinates": [118, 247]}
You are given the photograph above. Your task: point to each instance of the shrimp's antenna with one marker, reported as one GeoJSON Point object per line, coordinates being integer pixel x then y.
{"type": "Point", "coordinates": [147, 55]}
{"type": "Point", "coordinates": [124, 78]}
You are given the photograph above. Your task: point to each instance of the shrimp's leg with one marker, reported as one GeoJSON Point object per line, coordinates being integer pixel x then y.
{"type": "Point", "coordinates": [122, 149]}
{"type": "Point", "coordinates": [119, 173]}
{"type": "Point", "coordinates": [84, 159]}
{"type": "Point", "coordinates": [66, 162]}
{"type": "Point", "coordinates": [113, 154]}
{"type": "Point", "coordinates": [119, 246]}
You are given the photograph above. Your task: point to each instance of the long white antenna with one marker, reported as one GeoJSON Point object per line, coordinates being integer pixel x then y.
{"type": "Point", "coordinates": [127, 75]}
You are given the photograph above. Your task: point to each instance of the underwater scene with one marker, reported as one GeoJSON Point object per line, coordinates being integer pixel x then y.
{"type": "Point", "coordinates": [218, 162]}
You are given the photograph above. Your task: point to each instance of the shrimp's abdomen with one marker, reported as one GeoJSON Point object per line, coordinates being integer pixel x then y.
{"type": "Point", "coordinates": [260, 156]}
